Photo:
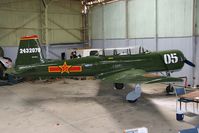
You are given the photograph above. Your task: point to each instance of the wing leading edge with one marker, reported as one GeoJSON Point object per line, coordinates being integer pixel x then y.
{"type": "Point", "coordinates": [135, 76]}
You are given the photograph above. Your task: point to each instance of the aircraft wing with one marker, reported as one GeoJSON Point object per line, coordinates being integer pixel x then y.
{"type": "Point", "coordinates": [135, 76]}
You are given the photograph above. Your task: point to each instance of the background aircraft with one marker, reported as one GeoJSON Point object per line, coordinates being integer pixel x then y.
{"type": "Point", "coordinates": [118, 69]}
{"type": "Point", "coordinates": [5, 63]}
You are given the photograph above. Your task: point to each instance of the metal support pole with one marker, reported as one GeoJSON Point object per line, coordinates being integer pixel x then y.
{"type": "Point", "coordinates": [44, 24]}
{"type": "Point", "coordinates": [90, 29]}
{"type": "Point", "coordinates": [156, 25]}
{"type": "Point", "coordinates": [127, 24]}
{"type": "Point", "coordinates": [103, 28]}
{"type": "Point", "coordinates": [46, 32]}
{"type": "Point", "coordinates": [85, 23]}
{"type": "Point", "coordinates": [194, 41]}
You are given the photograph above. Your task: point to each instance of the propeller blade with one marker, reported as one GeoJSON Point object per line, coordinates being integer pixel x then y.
{"type": "Point", "coordinates": [189, 63]}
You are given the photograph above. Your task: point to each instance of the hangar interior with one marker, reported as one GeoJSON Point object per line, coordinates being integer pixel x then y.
{"type": "Point", "coordinates": [64, 24]}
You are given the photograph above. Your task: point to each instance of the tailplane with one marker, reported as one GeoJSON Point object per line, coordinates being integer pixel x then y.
{"type": "Point", "coordinates": [29, 51]}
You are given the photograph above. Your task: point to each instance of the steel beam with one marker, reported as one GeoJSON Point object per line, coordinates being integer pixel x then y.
{"type": "Point", "coordinates": [194, 41]}
{"type": "Point", "coordinates": [20, 26]}
{"type": "Point", "coordinates": [44, 26]}
{"type": "Point", "coordinates": [66, 30]}
{"type": "Point", "coordinates": [85, 23]}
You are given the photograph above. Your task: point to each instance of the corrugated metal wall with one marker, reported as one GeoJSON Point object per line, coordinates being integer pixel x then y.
{"type": "Point", "coordinates": [174, 19]}
{"type": "Point", "coordinates": [18, 18]}
{"type": "Point", "coordinates": [136, 22]}
{"type": "Point", "coordinates": [23, 17]}
{"type": "Point", "coordinates": [96, 22]}
{"type": "Point", "coordinates": [65, 21]}
{"type": "Point", "coordinates": [114, 20]}
{"type": "Point", "coordinates": [141, 18]}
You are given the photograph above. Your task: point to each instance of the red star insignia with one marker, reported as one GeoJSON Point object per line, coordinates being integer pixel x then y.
{"type": "Point", "coordinates": [65, 68]}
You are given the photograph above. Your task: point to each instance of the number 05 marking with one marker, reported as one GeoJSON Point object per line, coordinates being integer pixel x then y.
{"type": "Point", "coordinates": [170, 58]}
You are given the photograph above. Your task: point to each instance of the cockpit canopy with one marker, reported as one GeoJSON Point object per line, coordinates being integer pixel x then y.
{"type": "Point", "coordinates": [77, 53]}
{"type": "Point", "coordinates": [123, 51]}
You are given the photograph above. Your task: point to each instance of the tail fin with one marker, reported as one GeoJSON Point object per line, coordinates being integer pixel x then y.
{"type": "Point", "coordinates": [29, 51]}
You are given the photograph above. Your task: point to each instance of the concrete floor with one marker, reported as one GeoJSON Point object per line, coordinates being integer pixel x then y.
{"type": "Point", "coordinates": [86, 106]}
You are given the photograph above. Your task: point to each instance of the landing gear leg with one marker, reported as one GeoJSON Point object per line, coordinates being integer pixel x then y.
{"type": "Point", "coordinates": [169, 89]}
{"type": "Point", "coordinates": [134, 94]}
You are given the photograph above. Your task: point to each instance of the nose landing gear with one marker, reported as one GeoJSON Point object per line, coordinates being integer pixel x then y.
{"type": "Point", "coordinates": [169, 89]}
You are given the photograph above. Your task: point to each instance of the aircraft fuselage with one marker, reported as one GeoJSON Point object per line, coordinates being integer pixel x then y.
{"type": "Point", "coordinates": [170, 60]}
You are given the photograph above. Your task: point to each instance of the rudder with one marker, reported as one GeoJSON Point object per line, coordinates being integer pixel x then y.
{"type": "Point", "coordinates": [29, 51]}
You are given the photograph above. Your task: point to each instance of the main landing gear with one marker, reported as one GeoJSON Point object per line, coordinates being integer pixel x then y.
{"type": "Point", "coordinates": [118, 86]}
{"type": "Point", "coordinates": [169, 89]}
{"type": "Point", "coordinates": [132, 96]}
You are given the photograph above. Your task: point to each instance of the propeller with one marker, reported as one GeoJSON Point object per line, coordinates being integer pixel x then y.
{"type": "Point", "coordinates": [189, 63]}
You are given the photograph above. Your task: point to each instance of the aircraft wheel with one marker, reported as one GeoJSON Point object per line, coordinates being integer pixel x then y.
{"type": "Point", "coordinates": [169, 89]}
{"type": "Point", "coordinates": [132, 101]}
{"type": "Point", "coordinates": [119, 86]}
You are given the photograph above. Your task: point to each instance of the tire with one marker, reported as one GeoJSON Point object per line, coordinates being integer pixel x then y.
{"type": "Point", "coordinates": [119, 86]}
{"type": "Point", "coordinates": [169, 89]}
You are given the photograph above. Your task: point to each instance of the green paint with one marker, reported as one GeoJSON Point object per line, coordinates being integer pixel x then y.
{"type": "Point", "coordinates": [118, 68]}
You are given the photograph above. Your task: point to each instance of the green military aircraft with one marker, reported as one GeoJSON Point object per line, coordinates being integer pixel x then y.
{"type": "Point", "coordinates": [118, 69]}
